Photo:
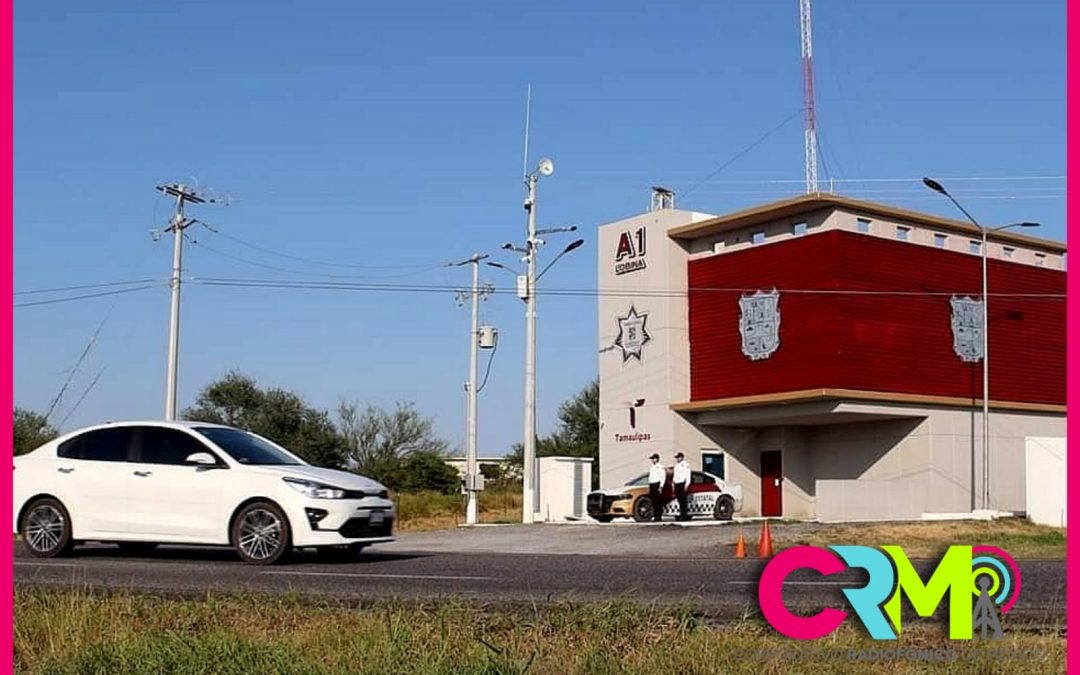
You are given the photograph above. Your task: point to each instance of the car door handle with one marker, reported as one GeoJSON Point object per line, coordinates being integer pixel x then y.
{"type": "Point", "coordinates": [143, 474]}
{"type": "Point", "coordinates": [66, 469]}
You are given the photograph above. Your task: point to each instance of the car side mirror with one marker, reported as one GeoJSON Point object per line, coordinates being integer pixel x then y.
{"type": "Point", "coordinates": [201, 459]}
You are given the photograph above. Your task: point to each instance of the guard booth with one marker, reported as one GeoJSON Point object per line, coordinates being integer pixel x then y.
{"type": "Point", "coordinates": [564, 484]}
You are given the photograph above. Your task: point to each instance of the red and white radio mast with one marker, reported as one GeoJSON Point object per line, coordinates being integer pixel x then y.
{"type": "Point", "coordinates": [808, 96]}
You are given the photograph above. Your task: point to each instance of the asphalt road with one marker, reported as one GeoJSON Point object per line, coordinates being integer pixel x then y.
{"type": "Point", "coordinates": [716, 586]}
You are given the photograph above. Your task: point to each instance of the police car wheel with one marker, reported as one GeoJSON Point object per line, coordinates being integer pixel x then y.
{"type": "Point", "coordinates": [725, 509]}
{"type": "Point", "coordinates": [643, 510]}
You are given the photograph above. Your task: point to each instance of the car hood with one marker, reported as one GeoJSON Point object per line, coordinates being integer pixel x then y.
{"type": "Point", "coordinates": [622, 490]}
{"type": "Point", "coordinates": [332, 477]}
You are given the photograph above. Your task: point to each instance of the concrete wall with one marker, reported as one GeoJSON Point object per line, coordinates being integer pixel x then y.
{"type": "Point", "coordinates": [661, 374]}
{"type": "Point", "coordinates": [1046, 472]}
{"type": "Point", "coordinates": [879, 470]}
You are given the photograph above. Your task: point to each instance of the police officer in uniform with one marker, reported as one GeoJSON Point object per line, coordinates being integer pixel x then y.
{"type": "Point", "coordinates": [681, 479]}
{"type": "Point", "coordinates": [657, 474]}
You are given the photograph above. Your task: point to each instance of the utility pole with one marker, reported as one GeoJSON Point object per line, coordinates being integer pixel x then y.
{"type": "Point", "coordinates": [472, 390]}
{"type": "Point", "coordinates": [179, 223]}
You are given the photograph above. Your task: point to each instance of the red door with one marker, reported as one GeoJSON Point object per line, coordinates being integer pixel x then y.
{"type": "Point", "coordinates": [772, 503]}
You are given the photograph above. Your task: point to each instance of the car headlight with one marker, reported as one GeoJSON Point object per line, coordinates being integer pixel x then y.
{"type": "Point", "coordinates": [313, 489]}
{"type": "Point", "coordinates": [625, 495]}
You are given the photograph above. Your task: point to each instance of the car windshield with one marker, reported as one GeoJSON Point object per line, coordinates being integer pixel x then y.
{"type": "Point", "coordinates": [643, 479]}
{"type": "Point", "coordinates": [246, 448]}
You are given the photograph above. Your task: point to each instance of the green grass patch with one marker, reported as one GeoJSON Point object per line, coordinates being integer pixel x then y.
{"type": "Point", "coordinates": [428, 510]}
{"type": "Point", "coordinates": [1019, 537]}
{"type": "Point", "coordinates": [70, 632]}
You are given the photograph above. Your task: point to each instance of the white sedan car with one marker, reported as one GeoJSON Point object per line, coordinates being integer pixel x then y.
{"type": "Point", "coordinates": [139, 484]}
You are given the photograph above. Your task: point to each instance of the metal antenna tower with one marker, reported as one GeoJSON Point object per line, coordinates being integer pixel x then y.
{"type": "Point", "coordinates": [808, 96]}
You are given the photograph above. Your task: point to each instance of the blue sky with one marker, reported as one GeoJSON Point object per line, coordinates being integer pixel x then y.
{"type": "Point", "coordinates": [390, 135]}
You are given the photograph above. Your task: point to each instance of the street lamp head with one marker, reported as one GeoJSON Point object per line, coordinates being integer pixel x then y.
{"type": "Point", "coordinates": [1027, 224]}
{"type": "Point", "coordinates": [574, 244]}
{"type": "Point", "coordinates": [934, 185]}
{"type": "Point", "coordinates": [507, 247]}
{"type": "Point", "coordinates": [546, 167]}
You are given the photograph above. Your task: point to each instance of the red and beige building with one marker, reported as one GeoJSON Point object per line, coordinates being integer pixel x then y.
{"type": "Point", "coordinates": [825, 353]}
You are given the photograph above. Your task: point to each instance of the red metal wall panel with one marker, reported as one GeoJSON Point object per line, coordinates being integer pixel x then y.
{"type": "Point", "coordinates": [894, 335]}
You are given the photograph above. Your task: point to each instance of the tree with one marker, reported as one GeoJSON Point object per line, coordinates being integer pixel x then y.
{"type": "Point", "coordinates": [398, 447]}
{"type": "Point", "coordinates": [577, 433]}
{"type": "Point", "coordinates": [277, 414]}
{"type": "Point", "coordinates": [31, 430]}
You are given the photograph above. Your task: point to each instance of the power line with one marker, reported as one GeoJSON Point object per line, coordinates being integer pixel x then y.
{"type": "Point", "coordinates": [742, 152]}
{"type": "Point", "coordinates": [592, 292]}
{"type": "Point", "coordinates": [80, 287]}
{"type": "Point", "coordinates": [313, 261]}
{"type": "Point", "coordinates": [288, 270]}
{"type": "Point", "coordinates": [86, 296]}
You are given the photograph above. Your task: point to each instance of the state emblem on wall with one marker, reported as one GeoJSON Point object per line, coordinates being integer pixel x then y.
{"type": "Point", "coordinates": [759, 324]}
{"type": "Point", "coordinates": [632, 334]}
{"type": "Point", "coordinates": [967, 328]}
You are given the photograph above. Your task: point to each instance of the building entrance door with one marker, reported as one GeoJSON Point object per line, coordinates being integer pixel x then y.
{"type": "Point", "coordinates": [772, 503]}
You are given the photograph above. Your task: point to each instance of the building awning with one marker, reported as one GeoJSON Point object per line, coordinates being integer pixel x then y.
{"type": "Point", "coordinates": [815, 407]}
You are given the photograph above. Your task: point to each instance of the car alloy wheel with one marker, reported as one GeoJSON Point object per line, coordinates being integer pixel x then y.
{"type": "Point", "coordinates": [46, 529]}
{"type": "Point", "coordinates": [725, 508]}
{"type": "Point", "coordinates": [261, 534]}
{"type": "Point", "coordinates": [643, 510]}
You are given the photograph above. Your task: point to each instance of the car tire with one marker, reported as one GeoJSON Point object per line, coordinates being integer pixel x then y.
{"type": "Point", "coordinates": [643, 510]}
{"type": "Point", "coordinates": [339, 554]}
{"type": "Point", "coordinates": [46, 528]}
{"type": "Point", "coordinates": [604, 519]}
{"type": "Point", "coordinates": [136, 547]}
{"type": "Point", "coordinates": [261, 534]}
{"type": "Point", "coordinates": [725, 508]}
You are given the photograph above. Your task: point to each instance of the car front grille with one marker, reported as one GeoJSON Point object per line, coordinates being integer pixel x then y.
{"type": "Point", "coordinates": [598, 503]}
{"type": "Point", "coordinates": [356, 528]}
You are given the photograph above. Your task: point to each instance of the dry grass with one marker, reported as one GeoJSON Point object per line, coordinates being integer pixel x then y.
{"type": "Point", "coordinates": [75, 632]}
{"type": "Point", "coordinates": [1021, 538]}
{"type": "Point", "coordinates": [423, 511]}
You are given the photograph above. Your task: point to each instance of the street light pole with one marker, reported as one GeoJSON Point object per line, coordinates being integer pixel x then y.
{"type": "Point", "coordinates": [528, 501]}
{"type": "Point", "coordinates": [938, 187]}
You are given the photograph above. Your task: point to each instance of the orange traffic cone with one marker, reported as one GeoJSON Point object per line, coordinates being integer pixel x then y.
{"type": "Point", "coordinates": [740, 546]}
{"type": "Point", "coordinates": [765, 545]}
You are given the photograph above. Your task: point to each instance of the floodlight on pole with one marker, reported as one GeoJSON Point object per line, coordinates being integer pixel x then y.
{"type": "Point", "coordinates": [527, 292]}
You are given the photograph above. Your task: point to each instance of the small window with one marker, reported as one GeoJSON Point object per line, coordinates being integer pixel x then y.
{"type": "Point", "coordinates": [902, 232]}
{"type": "Point", "coordinates": [758, 237]}
{"type": "Point", "coordinates": [863, 225]}
{"type": "Point", "coordinates": [798, 229]}
{"type": "Point", "coordinates": [1040, 259]}
{"type": "Point", "coordinates": [974, 246]}
{"type": "Point", "coordinates": [712, 462]}
{"type": "Point", "coordinates": [1007, 251]}
{"type": "Point", "coordinates": [156, 445]}
{"type": "Point", "coordinates": [101, 445]}
{"type": "Point", "coordinates": [939, 240]}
